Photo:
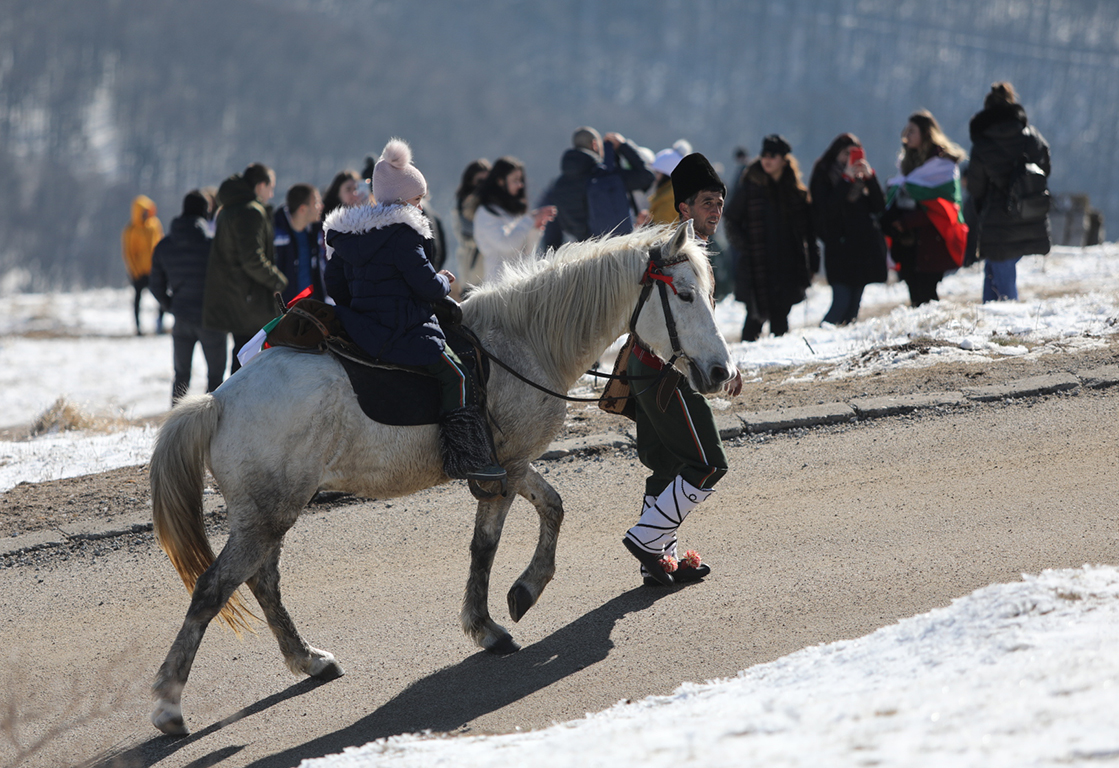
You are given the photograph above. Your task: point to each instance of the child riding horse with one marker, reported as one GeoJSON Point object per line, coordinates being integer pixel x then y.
{"type": "Point", "coordinates": [384, 285]}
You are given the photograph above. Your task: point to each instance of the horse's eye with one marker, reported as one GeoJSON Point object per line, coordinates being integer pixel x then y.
{"type": "Point", "coordinates": [687, 296]}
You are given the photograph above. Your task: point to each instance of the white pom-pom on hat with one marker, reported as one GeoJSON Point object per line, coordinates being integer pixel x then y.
{"type": "Point", "coordinates": [397, 153]}
{"type": "Point", "coordinates": [395, 179]}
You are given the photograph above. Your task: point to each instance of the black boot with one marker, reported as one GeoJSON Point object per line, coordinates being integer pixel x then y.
{"type": "Point", "coordinates": [467, 445]}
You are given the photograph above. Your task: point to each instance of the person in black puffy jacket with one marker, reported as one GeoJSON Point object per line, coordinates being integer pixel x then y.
{"type": "Point", "coordinates": [1002, 138]}
{"type": "Point", "coordinates": [178, 280]}
{"type": "Point", "coordinates": [593, 156]}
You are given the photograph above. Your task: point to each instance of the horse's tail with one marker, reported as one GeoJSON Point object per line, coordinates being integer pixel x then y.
{"type": "Point", "coordinates": [177, 467]}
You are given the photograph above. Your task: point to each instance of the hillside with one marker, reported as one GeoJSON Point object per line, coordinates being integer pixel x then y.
{"type": "Point", "coordinates": [124, 97]}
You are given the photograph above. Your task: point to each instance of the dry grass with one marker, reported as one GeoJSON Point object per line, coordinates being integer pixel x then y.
{"type": "Point", "coordinates": [33, 726]}
{"type": "Point", "coordinates": [64, 416]}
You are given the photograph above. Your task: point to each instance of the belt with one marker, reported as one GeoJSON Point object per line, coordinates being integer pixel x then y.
{"type": "Point", "coordinates": [647, 357]}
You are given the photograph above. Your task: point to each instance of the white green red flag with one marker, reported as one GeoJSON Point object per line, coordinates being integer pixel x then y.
{"type": "Point", "coordinates": [935, 186]}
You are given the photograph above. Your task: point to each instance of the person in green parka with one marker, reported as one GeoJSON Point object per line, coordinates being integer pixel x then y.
{"type": "Point", "coordinates": [242, 277]}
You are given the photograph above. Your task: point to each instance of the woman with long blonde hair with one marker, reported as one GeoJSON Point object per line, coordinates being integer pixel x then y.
{"type": "Point", "coordinates": [923, 219]}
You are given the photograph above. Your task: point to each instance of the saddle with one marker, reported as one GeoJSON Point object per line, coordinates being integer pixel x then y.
{"type": "Point", "coordinates": [397, 395]}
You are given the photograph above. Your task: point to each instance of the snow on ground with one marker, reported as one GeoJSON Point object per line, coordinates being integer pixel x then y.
{"type": "Point", "coordinates": [1013, 675]}
{"type": "Point", "coordinates": [83, 347]}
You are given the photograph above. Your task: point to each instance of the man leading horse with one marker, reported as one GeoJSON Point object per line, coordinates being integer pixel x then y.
{"type": "Point", "coordinates": [676, 433]}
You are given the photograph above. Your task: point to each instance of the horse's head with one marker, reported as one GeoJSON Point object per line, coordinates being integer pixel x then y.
{"type": "Point", "coordinates": [686, 281]}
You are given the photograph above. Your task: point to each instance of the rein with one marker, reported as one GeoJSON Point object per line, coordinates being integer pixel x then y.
{"type": "Point", "coordinates": [654, 275]}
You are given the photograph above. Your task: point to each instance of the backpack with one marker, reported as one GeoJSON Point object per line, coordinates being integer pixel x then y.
{"type": "Point", "coordinates": [1027, 191]}
{"type": "Point", "coordinates": [608, 208]}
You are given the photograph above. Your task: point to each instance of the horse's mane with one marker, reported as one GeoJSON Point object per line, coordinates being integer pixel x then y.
{"type": "Point", "coordinates": [574, 297]}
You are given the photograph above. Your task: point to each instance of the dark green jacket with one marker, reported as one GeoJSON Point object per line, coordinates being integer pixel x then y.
{"type": "Point", "coordinates": [242, 276]}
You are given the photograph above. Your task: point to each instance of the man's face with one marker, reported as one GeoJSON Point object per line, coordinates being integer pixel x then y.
{"type": "Point", "coordinates": [266, 189]}
{"type": "Point", "coordinates": [705, 213]}
{"type": "Point", "coordinates": [314, 208]}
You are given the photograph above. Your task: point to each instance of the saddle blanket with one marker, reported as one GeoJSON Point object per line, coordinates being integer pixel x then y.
{"type": "Point", "coordinates": [396, 396]}
{"type": "Point", "coordinates": [400, 397]}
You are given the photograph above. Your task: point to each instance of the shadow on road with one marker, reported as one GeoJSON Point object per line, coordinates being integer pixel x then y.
{"type": "Point", "coordinates": [158, 748]}
{"type": "Point", "coordinates": [444, 701]}
{"type": "Point", "coordinates": [482, 683]}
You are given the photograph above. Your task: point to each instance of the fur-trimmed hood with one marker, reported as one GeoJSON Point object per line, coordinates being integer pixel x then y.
{"type": "Point", "coordinates": [1012, 114]}
{"type": "Point", "coordinates": [365, 218]}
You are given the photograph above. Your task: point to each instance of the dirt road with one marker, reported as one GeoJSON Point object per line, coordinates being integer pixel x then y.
{"type": "Point", "coordinates": [813, 536]}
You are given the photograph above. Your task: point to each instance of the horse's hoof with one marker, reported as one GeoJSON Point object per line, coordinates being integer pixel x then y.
{"type": "Point", "coordinates": [503, 646]}
{"type": "Point", "coordinates": [520, 600]}
{"type": "Point", "coordinates": [331, 671]}
{"type": "Point", "coordinates": [325, 667]}
{"type": "Point", "coordinates": [168, 718]}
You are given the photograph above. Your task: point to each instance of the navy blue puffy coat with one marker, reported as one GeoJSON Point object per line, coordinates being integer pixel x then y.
{"type": "Point", "coordinates": [383, 282]}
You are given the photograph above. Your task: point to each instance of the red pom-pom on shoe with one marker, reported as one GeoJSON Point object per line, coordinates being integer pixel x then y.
{"type": "Point", "coordinates": [669, 564]}
{"type": "Point", "coordinates": [691, 559]}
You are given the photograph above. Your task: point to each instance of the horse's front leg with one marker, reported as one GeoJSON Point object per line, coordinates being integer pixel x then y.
{"type": "Point", "coordinates": [476, 621]}
{"type": "Point", "coordinates": [526, 590]}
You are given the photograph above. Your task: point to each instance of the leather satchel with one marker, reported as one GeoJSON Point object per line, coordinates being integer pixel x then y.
{"type": "Point", "coordinates": [616, 396]}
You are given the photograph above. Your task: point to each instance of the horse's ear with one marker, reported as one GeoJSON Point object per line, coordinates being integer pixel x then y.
{"type": "Point", "coordinates": [684, 233]}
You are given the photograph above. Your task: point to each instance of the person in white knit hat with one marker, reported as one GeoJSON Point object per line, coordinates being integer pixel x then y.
{"type": "Point", "coordinates": [382, 279]}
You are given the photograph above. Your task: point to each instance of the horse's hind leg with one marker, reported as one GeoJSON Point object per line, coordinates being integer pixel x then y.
{"type": "Point", "coordinates": [300, 657]}
{"type": "Point", "coordinates": [526, 590]}
{"type": "Point", "coordinates": [239, 560]}
{"type": "Point", "coordinates": [476, 621]}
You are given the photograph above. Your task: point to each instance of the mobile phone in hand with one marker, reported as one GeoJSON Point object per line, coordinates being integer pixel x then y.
{"type": "Point", "coordinates": [856, 154]}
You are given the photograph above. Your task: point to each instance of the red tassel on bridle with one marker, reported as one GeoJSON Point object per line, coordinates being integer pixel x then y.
{"type": "Point", "coordinates": [653, 272]}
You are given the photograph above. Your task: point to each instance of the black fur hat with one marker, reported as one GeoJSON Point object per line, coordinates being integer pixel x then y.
{"type": "Point", "coordinates": [775, 144]}
{"type": "Point", "coordinates": [694, 174]}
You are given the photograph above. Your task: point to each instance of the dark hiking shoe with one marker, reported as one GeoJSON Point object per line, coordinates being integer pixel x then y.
{"type": "Point", "coordinates": [651, 561]}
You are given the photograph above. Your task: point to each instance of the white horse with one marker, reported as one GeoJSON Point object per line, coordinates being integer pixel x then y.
{"type": "Point", "coordinates": [549, 319]}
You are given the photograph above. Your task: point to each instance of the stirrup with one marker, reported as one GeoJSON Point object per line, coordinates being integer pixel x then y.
{"type": "Point", "coordinates": [489, 474]}
{"type": "Point", "coordinates": [481, 494]}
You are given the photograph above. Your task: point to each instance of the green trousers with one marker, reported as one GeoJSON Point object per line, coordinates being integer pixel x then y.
{"type": "Point", "coordinates": [681, 440]}
{"type": "Point", "coordinates": [456, 381]}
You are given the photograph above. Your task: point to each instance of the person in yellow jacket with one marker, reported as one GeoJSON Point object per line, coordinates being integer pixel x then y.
{"type": "Point", "coordinates": [662, 202]}
{"type": "Point", "coordinates": [137, 243]}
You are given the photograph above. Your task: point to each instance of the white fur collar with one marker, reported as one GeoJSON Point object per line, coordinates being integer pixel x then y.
{"type": "Point", "coordinates": [366, 218]}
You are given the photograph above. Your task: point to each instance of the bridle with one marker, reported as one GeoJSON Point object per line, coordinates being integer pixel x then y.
{"type": "Point", "coordinates": [653, 275]}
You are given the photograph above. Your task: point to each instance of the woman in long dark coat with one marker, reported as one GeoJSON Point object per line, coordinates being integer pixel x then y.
{"type": "Point", "coordinates": [846, 201]}
{"type": "Point", "coordinates": [770, 224]}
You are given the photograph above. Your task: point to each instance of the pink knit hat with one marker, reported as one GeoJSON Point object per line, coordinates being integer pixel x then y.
{"type": "Point", "coordinates": [395, 179]}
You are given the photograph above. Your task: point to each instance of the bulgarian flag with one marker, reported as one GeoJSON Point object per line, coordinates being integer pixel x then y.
{"type": "Point", "coordinates": [935, 186]}
{"type": "Point", "coordinates": [259, 342]}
